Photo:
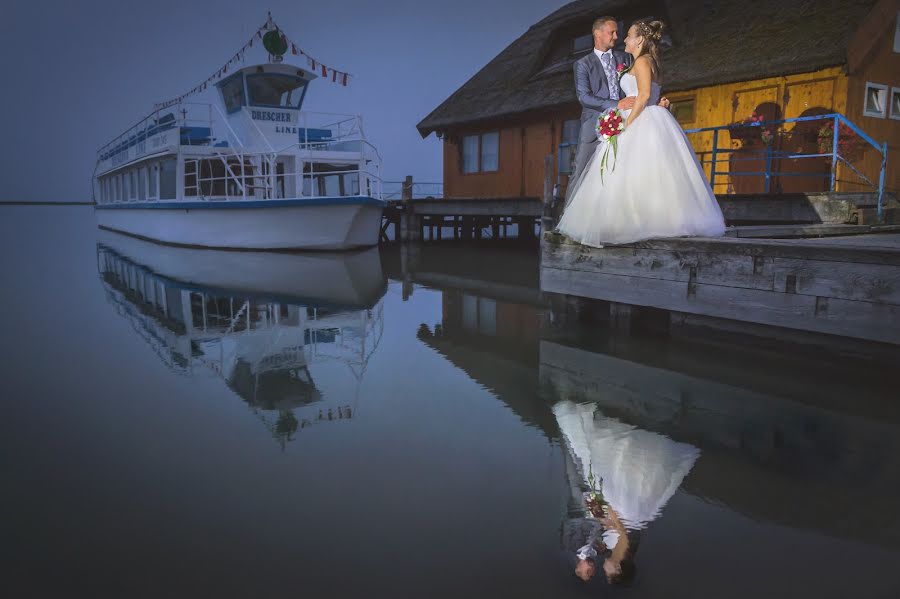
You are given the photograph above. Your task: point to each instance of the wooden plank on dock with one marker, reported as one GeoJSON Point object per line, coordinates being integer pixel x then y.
{"type": "Point", "coordinates": [805, 231]}
{"type": "Point", "coordinates": [810, 208]}
{"type": "Point", "coordinates": [840, 290]}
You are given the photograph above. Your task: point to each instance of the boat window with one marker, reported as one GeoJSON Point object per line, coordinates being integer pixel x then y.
{"type": "Point", "coordinates": [154, 170]}
{"type": "Point", "coordinates": [142, 183]}
{"type": "Point", "coordinates": [167, 179]}
{"type": "Point", "coordinates": [281, 91]}
{"type": "Point", "coordinates": [132, 185]}
{"type": "Point", "coordinates": [233, 93]}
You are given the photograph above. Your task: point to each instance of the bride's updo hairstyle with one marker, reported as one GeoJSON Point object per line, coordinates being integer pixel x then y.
{"type": "Point", "coordinates": [652, 32]}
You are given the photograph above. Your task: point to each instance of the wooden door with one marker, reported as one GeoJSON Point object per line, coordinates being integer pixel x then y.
{"type": "Point", "coordinates": [749, 155]}
{"type": "Point", "coordinates": [806, 98]}
{"type": "Point", "coordinates": [538, 143]}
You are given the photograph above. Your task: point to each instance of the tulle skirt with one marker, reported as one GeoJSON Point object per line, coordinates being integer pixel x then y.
{"type": "Point", "coordinates": [656, 188]}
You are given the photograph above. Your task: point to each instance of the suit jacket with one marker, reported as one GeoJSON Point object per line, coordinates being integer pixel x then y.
{"type": "Point", "coordinates": [591, 85]}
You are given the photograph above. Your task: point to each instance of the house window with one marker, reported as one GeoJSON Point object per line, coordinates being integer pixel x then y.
{"type": "Point", "coordinates": [490, 151]}
{"type": "Point", "coordinates": [876, 100]}
{"type": "Point", "coordinates": [470, 154]}
{"type": "Point", "coordinates": [569, 146]}
{"type": "Point", "coordinates": [895, 103]}
{"type": "Point", "coordinates": [684, 110]}
{"type": "Point", "coordinates": [583, 43]}
{"type": "Point", "coordinates": [897, 33]}
{"type": "Point", "coordinates": [481, 153]}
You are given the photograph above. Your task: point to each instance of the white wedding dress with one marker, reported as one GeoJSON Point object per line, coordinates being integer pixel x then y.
{"type": "Point", "coordinates": [656, 189]}
{"type": "Point", "coordinates": [640, 470]}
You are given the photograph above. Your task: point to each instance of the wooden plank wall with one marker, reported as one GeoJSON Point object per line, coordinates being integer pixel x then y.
{"type": "Point", "coordinates": [789, 96]}
{"type": "Point", "coordinates": [876, 62]}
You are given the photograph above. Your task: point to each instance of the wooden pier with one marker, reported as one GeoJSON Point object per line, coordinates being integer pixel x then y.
{"type": "Point", "coordinates": [413, 220]}
{"type": "Point", "coordinates": [846, 285]}
{"type": "Point", "coordinates": [430, 218]}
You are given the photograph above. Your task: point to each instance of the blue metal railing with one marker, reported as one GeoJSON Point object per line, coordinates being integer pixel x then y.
{"type": "Point", "coordinates": [771, 155]}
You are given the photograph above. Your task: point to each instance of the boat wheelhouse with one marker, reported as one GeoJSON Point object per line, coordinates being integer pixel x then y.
{"type": "Point", "coordinates": [250, 171]}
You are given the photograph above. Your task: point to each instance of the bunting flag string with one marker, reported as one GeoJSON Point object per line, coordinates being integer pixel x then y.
{"type": "Point", "coordinates": [337, 76]}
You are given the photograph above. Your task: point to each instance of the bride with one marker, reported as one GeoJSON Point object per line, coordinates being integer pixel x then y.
{"type": "Point", "coordinates": [655, 187]}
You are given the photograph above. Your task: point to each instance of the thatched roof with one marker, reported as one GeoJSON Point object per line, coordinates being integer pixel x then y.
{"type": "Point", "coordinates": [713, 42]}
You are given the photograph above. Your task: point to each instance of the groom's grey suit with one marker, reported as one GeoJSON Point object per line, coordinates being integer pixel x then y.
{"type": "Point", "coordinates": [592, 89]}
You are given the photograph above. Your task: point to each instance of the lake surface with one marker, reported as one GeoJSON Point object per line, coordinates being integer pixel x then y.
{"type": "Point", "coordinates": [213, 424]}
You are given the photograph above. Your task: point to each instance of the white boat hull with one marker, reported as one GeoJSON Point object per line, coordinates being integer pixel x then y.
{"type": "Point", "coordinates": [313, 224]}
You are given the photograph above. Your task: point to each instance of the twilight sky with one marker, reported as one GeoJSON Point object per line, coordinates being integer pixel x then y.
{"type": "Point", "coordinates": [80, 73]}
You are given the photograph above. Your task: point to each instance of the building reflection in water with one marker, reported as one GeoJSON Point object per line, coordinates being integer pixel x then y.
{"type": "Point", "coordinates": [263, 339]}
{"type": "Point", "coordinates": [801, 440]}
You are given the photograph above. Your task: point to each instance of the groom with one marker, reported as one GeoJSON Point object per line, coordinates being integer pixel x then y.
{"type": "Point", "coordinates": [597, 88]}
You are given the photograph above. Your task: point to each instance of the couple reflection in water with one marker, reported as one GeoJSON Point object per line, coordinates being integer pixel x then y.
{"type": "Point", "coordinates": [629, 473]}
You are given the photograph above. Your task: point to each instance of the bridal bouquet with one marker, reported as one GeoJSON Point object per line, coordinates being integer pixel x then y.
{"type": "Point", "coordinates": [593, 499]}
{"type": "Point", "coordinates": [609, 126]}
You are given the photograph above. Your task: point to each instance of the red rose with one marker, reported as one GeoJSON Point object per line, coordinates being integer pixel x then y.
{"type": "Point", "coordinates": [621, 67]}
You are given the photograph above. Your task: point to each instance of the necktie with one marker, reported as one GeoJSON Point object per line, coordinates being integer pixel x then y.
{"type": "Point", "coordinates": [606, 61]}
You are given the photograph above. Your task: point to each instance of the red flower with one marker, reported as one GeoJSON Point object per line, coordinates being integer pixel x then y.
{"type": "Point", "coordinates": [621, 67]}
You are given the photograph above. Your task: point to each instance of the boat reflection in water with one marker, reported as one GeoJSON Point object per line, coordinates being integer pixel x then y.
{"type": "Point", "coordinates": [260, 321]}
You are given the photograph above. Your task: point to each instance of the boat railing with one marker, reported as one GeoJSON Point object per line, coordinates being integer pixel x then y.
{"type": "Point", "coordinates": [233, 138]}
{"type": "Point", "coordinates": [394, 190]}
{"type": "Point", "coordinates": [246, 179]}
{"type": "Point", "coordinates": [318, 127]}
{"type": "Point", "coordinates": [185, 114]}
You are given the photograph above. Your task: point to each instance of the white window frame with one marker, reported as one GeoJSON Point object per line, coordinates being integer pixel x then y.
{"type": "Point", "coordinates": [479, 166]}
{"type": "Point", "coordinates": [893, 115]}
{"type": "Point", "coordinates": [878, 86]}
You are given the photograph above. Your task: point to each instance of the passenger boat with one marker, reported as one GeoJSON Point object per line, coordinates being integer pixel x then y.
{"type": "Point", "coordinates": [251, 170]}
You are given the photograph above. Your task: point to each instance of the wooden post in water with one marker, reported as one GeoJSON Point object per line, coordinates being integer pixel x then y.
{"type": "Point", "coordinates": [406, 190]}
{"type": "Point", "coordinates": [547, 219]}
{"type": "Point", "coordinates": [410, 224]}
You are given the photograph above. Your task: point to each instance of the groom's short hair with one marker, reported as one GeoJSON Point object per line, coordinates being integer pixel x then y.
{"type": "Point", "coordinates": [601, 21]}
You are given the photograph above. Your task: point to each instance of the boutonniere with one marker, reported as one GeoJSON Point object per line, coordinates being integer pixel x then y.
{"type": "Point", "coordinates": [621, 69]}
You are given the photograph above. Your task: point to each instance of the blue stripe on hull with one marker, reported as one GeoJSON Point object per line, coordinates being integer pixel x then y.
{"type": "Point", "coordinates": [242, 204]}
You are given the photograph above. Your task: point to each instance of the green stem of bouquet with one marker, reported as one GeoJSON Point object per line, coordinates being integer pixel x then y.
{"type": "Point", "coordinates": [613, 143]}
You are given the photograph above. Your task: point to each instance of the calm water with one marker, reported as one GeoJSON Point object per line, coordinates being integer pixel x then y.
{"type": "Point", "coordinates": [212, 424]}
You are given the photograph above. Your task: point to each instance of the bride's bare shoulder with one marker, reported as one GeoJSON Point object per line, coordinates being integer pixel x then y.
{"type": "Point", "coordinates": [644, 68]}
{"type": "Point", "coordinates": [642, 63]}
